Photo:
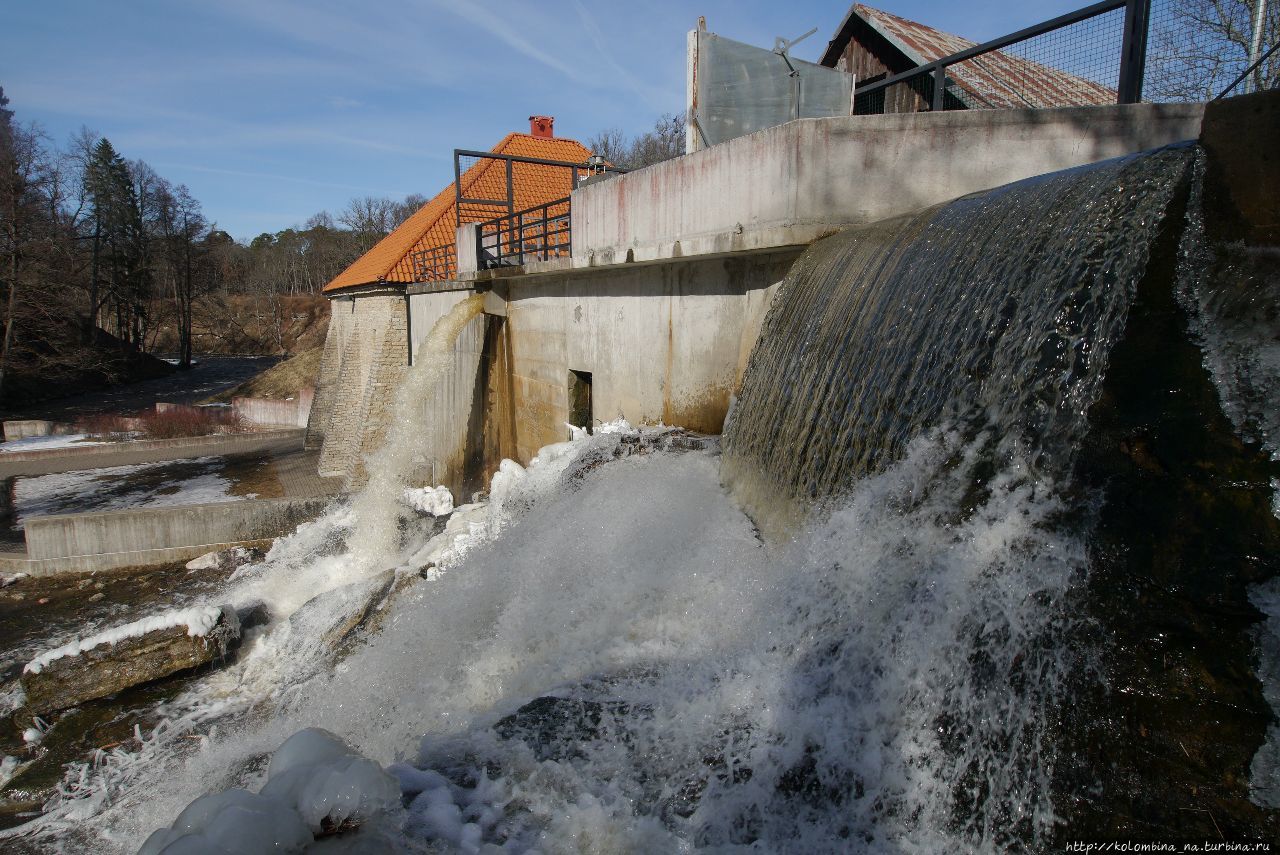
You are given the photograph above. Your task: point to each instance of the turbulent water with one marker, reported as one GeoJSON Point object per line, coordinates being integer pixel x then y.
{"type": "Point", "coordinates": [995, 311]}
{"type": "Point", "coordinates": [607, 657]}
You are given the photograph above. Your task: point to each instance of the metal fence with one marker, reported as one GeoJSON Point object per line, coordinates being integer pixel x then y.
{"type": "Point", "coordinates": [534, 234]}
{"type": "Point", "coordinates": [1116, 51]}
{"type": "Point", "coordinates": [435, 264]}
{"type": "Point", "coordinates": [487, 188]}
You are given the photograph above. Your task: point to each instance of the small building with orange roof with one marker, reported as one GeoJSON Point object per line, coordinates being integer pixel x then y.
{"type": "Point", "coordinates": [368, 346]}
{"type": "Point", "coordinates": [400, 257]}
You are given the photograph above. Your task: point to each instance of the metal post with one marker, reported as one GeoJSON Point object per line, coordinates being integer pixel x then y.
{"type": "Point", "coordinates": [457, 189]}
{"type": "Point", "coordinates": [1133, 51]}
{"type": "Point", "coordinates": [939, 88]}
{"type": "Point", "coordinates": [546, 240]}
{"type": "Point", "coordinates": [511, 191]}
{"type": "Point", "coordinates": [1255, 46]}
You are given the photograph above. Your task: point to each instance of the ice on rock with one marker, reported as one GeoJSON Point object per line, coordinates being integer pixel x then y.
{"type": "Point", "coordinates": [436, 501]}
{"type": "Point", "coordinates": [309, 747]}
{"type": "Point", "coordinates": [8, 766]}
{"type": "Point", "coordinates": [234, 821]}
{"type": "Point", "coordinates": [199, 621]}
{"type": "Point", "coordinates": [327, 782]}
{"type": "Point", "coordinates": [315, 783]}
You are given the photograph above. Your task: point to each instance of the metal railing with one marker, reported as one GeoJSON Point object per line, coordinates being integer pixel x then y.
{"type": "Point", "coordinates": [534, 234]}
{"type": "Point", "coordinates": [435, 264]}
{"type": "Point", "coordinates": [1038, 66]}
{"type": "Point", "coordinates": [506, 236]}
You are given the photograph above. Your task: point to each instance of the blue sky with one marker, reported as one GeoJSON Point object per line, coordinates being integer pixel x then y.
{"type": "Point", "coordinates": [272, 110]}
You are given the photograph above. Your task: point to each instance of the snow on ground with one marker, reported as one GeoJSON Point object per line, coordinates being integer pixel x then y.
{"type": "Point", "coordinates": [114, 488]}
{"type": "Point", "coordinates": [43, 443]}
{"type": "Point", "coordinates": [198, 621]}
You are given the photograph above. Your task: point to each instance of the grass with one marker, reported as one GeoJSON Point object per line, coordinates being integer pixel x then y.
{"type": "Point", "coordinates": [280, 381]}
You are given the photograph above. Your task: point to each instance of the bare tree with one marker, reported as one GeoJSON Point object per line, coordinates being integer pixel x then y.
{"type": "Point", "coordinates": [664, 142]}
{"type": "Point", "coordinates": [370, 218]}
{"type": "Point", "coordinates": [612, 145]}
{"type": "Point", "coordinates": [1200, 46]}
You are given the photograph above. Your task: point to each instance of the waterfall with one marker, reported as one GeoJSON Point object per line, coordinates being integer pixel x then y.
{"type": "Point", "coordinates": [377, 508]}
{"type": "Point", "coordinates": [995, 312]}
{"type": "Point", "coordinates": [975, 439]}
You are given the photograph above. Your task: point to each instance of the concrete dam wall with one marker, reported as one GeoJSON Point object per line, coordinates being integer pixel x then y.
{"type": "Point", "coordinates": [673, 267]}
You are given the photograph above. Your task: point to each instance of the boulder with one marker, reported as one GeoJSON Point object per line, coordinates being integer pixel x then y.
{"type": "Point", "coordinates": [121, 662]}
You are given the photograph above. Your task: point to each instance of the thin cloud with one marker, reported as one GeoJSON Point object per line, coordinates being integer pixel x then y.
{"type": "Point", "coordinates": [647, 93]}
{"type": "Point", "coordinates": [498, 28]}
{"type": "Point", "coordinates": [271, 176]}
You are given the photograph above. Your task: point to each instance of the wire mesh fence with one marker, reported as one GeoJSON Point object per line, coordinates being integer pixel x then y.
{"type": "Point", "coordinates": [1197, 48]}
{"type": "Point", "coordinates": [1193, 50]}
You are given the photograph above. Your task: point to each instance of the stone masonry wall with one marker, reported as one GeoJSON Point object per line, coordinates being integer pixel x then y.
{"type": "Point", "coordinates": [366, 353]}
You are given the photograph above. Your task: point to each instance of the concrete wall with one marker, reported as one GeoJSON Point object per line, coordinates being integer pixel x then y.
{"type": "Point", "coordinates": [663, 343]}
{"type": "Point", "coordinates": [50, 460]}
{"type": "Point", "coordinates": [100, 541]}
{"type": "Point", "coordinates": [787, 185]}
{"type": "Point", "coordinates": [23, 428]}
{"type": "Point", "coordinates": [293, 412]}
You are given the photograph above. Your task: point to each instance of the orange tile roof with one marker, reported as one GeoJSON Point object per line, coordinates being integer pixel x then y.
{"type": "Point", "coordinates": [434, 224]}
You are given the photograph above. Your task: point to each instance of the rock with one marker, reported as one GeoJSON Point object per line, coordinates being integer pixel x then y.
{"type": "Point", "coordinates": [556, 728]}
{"type": "Point", "coordinates": [42, 601]}
{"type": "Point", "coordinates": [254, 614]}
{"type": "Point", "coordinates": [226, 560]}
{"type": "Point", "coordinates": [368, 612]}
{"type": "Point", "coordinates": [110, 668]}
{"type": "Point", "coordinates": [98, 597]}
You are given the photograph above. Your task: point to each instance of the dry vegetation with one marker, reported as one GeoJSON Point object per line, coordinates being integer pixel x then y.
{"type": "Point", "coordinates": [170, 423]}
{"type": "Point", "coordinates": [280, 381]}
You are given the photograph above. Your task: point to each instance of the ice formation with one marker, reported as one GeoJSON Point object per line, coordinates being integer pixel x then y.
{"type": "Point", "coordinates": [198, 620]}
{"type": "Point", "coordinates": [316, 785]}
{"type": "Point", "coordinates": [436, 501]}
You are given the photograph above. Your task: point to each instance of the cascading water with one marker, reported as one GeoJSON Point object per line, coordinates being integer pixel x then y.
{"type": "Point", "coordinates": [995, 311]}
{"type": "Point", "coordinates": [377, 509]}
{"type": "Point", "coordinates": [617, 663]}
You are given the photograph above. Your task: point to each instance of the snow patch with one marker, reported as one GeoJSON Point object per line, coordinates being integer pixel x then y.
{"type": "Point", "coordinates": [42, 443]}
{"type": "Point", "coordinates": [199, 621]}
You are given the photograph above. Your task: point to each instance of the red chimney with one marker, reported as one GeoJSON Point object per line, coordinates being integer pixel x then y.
{"type": "Point", "coordinates": [540, 126]}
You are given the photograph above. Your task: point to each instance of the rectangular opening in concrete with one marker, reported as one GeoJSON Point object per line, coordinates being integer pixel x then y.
{"type": "Point", "coordinates": [580, 399]}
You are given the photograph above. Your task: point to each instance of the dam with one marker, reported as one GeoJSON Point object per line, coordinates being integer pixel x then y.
{"type": "Point", "coordinates": [863, 483]}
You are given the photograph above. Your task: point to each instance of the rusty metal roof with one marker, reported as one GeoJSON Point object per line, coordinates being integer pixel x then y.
{"type": "Point", "coordinates": [993, 80]}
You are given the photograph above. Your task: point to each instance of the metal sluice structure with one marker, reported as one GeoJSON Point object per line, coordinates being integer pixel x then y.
{"type": "Point", "coordinates": [507, 236]}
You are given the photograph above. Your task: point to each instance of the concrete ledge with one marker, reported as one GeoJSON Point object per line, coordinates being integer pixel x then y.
{"type": "Point", "coordinates": [55, 460]}
{"type": "Point", "coordinates": [101, 541]}
{"type": "Point", "coordinates": [111, 561]}
{"type": "Point", "coordinates": [786, 185]}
